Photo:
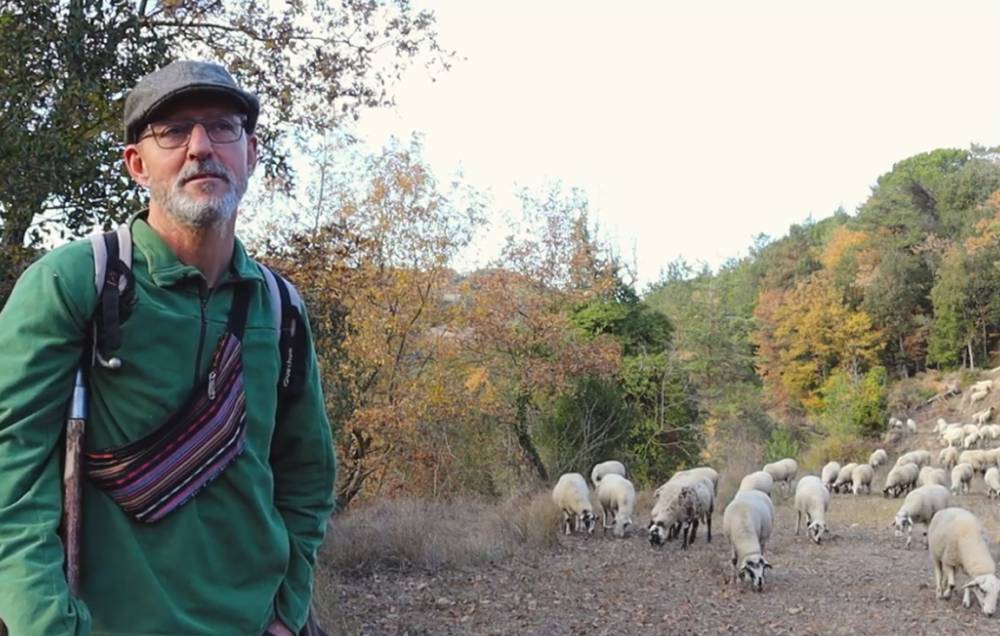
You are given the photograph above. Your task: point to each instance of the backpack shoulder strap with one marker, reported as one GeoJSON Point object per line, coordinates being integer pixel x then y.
{"type": "Point", "coordinates": [286, 309]}
{"type": "Point", "coordinates": [113, 279]}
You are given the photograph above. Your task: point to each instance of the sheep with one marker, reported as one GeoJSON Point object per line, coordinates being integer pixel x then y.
{"type": "Point", "coordinates": [948, 457]}
{"type": "Point", "coordinates": [961, 475]}
{"type": "Point", "coordinates": [975, 396]}
{"type": "Point", "coordinates": [688, 501]}
{"type": "Point", "coordinates": [918, 457]}
{"type": "Point", "coordinates": [920, 506]}
{"type": "Point", "coordinates": [830, 472]}
{"type": "Point", "coordinates": [617, 497]}
{"type": "Point", "coordinates": [572, 496]}
{"type": "Point", "coordinates": [702, 472]}
{"type": "Point", "coordinates": [952, 437]}
{"type": "Point", "coordinates": [940, 426]}
{"type": "Point", "coordinates": [991, 431]}
{"type": "Point", "coordinates": [978, 459]}
{"type": "Point", "coordinates": [861, 478]}
{"type": "Point", "coordinates": [911, 426]}
{"type": "Point", "coordinates": [900, 479]}
{"type": "Point", "coordinates": [993, 482]}
{"type": "Point", "coordinates": [930, 475]}
{"type": "Point", "coordinates": [783, 470]}
{"type": "Point", "coordinates": [982, 386]}
{"type": "Point", "coordinates": [971, 440]}
{"type": "Point", "coordinates": [969, 429]}
{"type": "Point", "coordinates": [878, 457]}
{"type": "Point", "coordinates": [813, 501]}
{"type": "Point", "coordinates": [983, 416]}
{"type": "Point", "coordinates": [844, 477]}
{"type": "Point", "coordinates": [747, 524]}
{"type": "Point", "coordinates": [611, 467]}
{"type": "Point", "coordinates": [955, 540]}
{"type": "Point", "coordinates": [758, 481]}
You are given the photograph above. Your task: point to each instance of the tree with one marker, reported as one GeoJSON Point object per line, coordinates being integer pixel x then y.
{"type": "Point", "coordinates": [65, 67]}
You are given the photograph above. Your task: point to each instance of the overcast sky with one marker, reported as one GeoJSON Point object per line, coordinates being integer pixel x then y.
{"type": "Point", "coordinates": [694, 126]}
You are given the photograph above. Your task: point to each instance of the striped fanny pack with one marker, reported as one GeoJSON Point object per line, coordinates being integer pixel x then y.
{"type": "Point", "coordinates": [157, 474]}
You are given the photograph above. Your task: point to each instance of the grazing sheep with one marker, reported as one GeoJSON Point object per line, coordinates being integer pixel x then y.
{"type": "Point", "coordinates": [611, 467]}
{"type": "Point", "coordinates": [617, 497]}
{"type": "Point", "coordinates": [920, 506]}
{"type": "Point", "coordinates": [572, 496]}
{"type": "Point", "coordinates": [878, 458]}
{"type": "Point", "coordinates": [900, 479]}
{"type": "Point", "coordinates": [702, 472]}
{"type": "Point", "coordinates": [952, 437]}
{"type": "Point", "coordinates": [955, 541]}
{"type": "Point", "coordinates": [688, 501]}
{"type": "Point", "coordinates": [861, 478]}
{"type": "Point", "coordinates": [940, 426]}
{"type": "Point", "coordinates": [813, 501]}
{"type": "Point", "coordinates": [961, 475]}
{"type": "Point", "coordinates": [978, 459]}
{"type": "Point", "coordinates": [983, 416]}
{"type": "Point", "coordinates": [971, 440]}
{"type": "Point", "coordinates": [758, 481]}
{"type": "Point", "coordinates": [990, 431]}
{"type": "Point", "coordinates": [918, 457]}
{"type": "Point", "coordinates": [783, 470]}
{"type": "Point", "coordinates": [975, 396]}
{"type": "Point", "coordinates": [948, 457]}
{"type": "Point", "coordinates": [911, 426]}
{"type": "Point", "coordinates": [829, 474]}
{"type": "Point", "coordinates": [844, 477]}
{"type": "Point", "coordinates": [747, 524]}
{"type": "Point", "coordinates": [931, 475]}
{"type": "Point", "coordinates": [969, 429]}
{"type": "Point", "coordinates": [993, 482]}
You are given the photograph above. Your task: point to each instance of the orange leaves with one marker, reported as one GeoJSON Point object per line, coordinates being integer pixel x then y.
{"type": "Point", "coordinates": [841, 240]}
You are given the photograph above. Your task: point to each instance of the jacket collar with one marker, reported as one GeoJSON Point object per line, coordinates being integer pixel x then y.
{"type": "Point", "coordinates": [165, 269]}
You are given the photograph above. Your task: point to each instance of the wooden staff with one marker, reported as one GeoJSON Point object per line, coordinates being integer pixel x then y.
{"type": "Point", "coordinates": [71, 482]}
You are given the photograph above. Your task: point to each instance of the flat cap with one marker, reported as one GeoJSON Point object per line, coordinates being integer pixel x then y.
{"type": "Point", "coordinates": [178, 79]}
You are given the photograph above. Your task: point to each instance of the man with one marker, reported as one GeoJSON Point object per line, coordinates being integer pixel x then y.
{"type": "Point", "coordinates": [207, 492]}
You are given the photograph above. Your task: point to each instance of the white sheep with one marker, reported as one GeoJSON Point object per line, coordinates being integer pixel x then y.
{"type": "Point", "coordinates": [990, 431]}
{"type": "Point", "coordinates": [610, 467]}
{"type": "Point", "coordinates": [572, 496]}
{"type": "Point", "coordinates": [813, 501]}
{"type": "Point", "coordinates": [969, 429]}
{"type": "Point", "coordinates": [758, 481]}
{"type": "Point", "coordinates": [911, 426]}
{"type": "Point", "coordinates": [617, 497]}
{"type": "Point", "coordinates": [900, 479]}
{"type": "Point", "coordinates": [983, 416]}
{"type": "Point", "coordinates": [955, 541]}
{"type": "Point", "coordinates": [975, 396]}
{"type": "Point", "coordinates": [952, 437]}
{"type": "Point", "coordinates": [783, 470]}
{"type": "Point", "coordinates": [918, 457]}
{"type": "Point", "coordinates": [992, 479]}
{"type": "Point", "coordinates": [829, 474]}
{"type": "Point", "coordinates": [940, 426]}
{"type": "Point", "coordinates": [948, 457]}
{"type": "Point", "coordinates": [878, 457]}
{"type": "Point", "coordinates": [702, 472]}
{"type": "Point", "coordinates": [971, 440]}
{"type": "Point", "coordinates": [861, 478]}
{"type": "Point", "coordinates": [686, 501]}
{"type": "Point", "coordinates": [920, 506]}
{"type": "Point", "coordinates": [961, 475]}
{"type": "Point", "coordinates": [978, 459]}
{"type": "Point", "coordinates": [844, 477]}
{"type": "Point", "coordinates": [747, 524]}
{"type": "Point", "coordinates": [931, 475]}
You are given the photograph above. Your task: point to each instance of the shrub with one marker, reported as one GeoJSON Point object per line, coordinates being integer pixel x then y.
{"type": "Point", "coordinates": [839, 447]}
{"type": "Point", "coordinates": [781, 445]}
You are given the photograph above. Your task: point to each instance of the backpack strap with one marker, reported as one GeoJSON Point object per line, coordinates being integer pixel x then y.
{"type": "Point", "coordinates": [113, 280]}
{"type": "Point", "coordinates": [291, 329]}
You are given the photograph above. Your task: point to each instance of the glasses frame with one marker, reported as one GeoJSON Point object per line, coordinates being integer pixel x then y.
{"type": "Point", "coordinates": [193, 121]}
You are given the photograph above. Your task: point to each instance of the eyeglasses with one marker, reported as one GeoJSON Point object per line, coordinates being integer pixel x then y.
{"type": "Point", "coordinates": [177, 133]}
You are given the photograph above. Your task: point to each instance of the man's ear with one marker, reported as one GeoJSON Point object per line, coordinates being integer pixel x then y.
{"type": "Point", "coordinates": [136, 165]}
{"type": "Point", "coordinates": [251, 153]}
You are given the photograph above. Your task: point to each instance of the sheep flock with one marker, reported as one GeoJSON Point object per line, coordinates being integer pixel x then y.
{"type": "Point", "coordinates": [929, 483]}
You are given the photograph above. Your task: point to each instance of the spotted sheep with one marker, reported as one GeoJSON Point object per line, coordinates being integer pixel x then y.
{"type": "Point", "coordinates": [682, 503]}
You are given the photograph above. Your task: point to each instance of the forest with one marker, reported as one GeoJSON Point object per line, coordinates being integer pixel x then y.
{"type": "Point", "coordinates": [442, 381]}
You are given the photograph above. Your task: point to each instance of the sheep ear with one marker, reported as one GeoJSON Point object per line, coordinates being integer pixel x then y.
{"type": "Point", "coordinates": [767, 566]}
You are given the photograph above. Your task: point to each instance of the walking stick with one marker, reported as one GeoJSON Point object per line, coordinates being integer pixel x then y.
{"type": "Point", "coordinates": [71, 482]}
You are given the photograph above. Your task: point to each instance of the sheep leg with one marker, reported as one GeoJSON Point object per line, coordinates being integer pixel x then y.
{"type": "Point", "coordinates": [566, 522]}
{"type": "Point", "coordinates": [949, 575]}
{"type": "Point", "coordinates": [708, 524]}
{"type": "Point", "coordinates": [798, 521]}
{"type": "Point", "coordinates": [938, 579]}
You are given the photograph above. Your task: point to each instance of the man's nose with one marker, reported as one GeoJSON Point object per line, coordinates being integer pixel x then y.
{"type": "Point", "coordinates": [199, 145]}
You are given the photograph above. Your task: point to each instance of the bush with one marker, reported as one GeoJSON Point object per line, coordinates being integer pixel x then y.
{"type": "Point", "coordinates": [850, 406]}
{"type": "Point", "coordinates": [838, 447]}
{"type": "Point", "coordinates": [781, 445]}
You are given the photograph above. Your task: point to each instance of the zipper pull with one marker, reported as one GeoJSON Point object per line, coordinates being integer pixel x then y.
{"type": "Point", "coordinates": [211, 385]}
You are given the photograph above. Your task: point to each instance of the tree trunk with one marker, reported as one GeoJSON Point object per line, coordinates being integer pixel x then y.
{"type": "Point", "coordinates": [524, 439]}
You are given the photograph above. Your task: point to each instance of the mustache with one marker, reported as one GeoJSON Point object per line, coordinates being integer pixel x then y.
{"type": "Point", "coordinates": [209, 167]}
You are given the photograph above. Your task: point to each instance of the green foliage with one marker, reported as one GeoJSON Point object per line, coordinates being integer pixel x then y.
{"type": "Point", "coordinates": [781, 445]}
{"type": "Point", "coordinates": [636, 326]}
{"type": "Point", "coordinates": [840, 447]}
{"type": "Point", "coordinates": [850, 406]}
{"type": "Point", "coordinates": [952, 325]}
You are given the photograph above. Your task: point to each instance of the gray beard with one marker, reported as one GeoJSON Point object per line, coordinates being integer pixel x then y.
{"type": "Point", "coordinates": [204, 213]}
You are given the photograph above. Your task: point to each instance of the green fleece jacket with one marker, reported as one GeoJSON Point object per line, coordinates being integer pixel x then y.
{"type": "Point", "coordinates": [232, 559]}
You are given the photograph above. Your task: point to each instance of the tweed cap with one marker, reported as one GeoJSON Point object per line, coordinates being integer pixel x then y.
{"type": "Point", "coordinates": [184, 77]}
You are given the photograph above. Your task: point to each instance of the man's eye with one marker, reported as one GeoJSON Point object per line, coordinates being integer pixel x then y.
{"type": "Point", "coordinates": [174, 130]}
{"type": "Point", "coordinates": [222, 126]}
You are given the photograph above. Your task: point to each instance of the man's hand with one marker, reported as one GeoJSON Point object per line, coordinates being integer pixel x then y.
{"type": "Point", "coordinates": [277, 628]}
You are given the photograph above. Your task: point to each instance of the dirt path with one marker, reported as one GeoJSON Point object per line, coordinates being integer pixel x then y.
{"type": "Point", "coordinates": [860, 582]}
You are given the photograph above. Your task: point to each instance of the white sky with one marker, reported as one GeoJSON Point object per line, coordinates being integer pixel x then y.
{"type": "Point", "coordinates": [694, 126]}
